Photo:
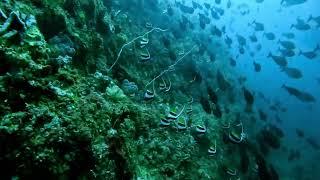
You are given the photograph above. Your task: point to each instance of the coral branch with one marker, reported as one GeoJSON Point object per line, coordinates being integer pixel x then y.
{"type": "Point", "coordinates": [170, 68]}
{"type": "Point", "coordinates": [130, 42]}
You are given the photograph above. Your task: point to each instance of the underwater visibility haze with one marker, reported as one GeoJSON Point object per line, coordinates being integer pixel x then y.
{"type": "Point", "coordinates": [160, 89]}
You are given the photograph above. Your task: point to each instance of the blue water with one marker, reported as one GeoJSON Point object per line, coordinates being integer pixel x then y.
{"type": "Point", "coordinates": [269, 81]}
{"type": "Point", "coordinates": [305, 116]}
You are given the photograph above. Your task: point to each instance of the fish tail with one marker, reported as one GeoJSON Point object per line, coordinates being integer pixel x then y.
{"type": "Point", "coordinates": [292, 25]}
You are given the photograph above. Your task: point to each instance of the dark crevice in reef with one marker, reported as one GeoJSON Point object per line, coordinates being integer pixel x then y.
{"type": "Point", "coordinates": [122, 170]}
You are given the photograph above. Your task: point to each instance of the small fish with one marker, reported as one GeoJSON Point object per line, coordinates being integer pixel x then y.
{"type": "Point", "coordinates": [280, 60]}
{"type": "Point", "coordinates": [228, 41]}
{"type": "Point", "coordinates": [249, 98]}
{"type": "Point", "coordinates": [301, 25]}
{"type": "Point", "coordinates": [207, 5]}
{"type": "Point", "coordinates": [222, 82]}
{"type": "Point", "coordinates": [310, 54]}
{"type": "Point", "coordinates": [287, 3]}
{"type": "Point", "coordinates": [241, 40]}
{"type": "Point", "coordinates": [270, 36]}
{"type": "Point", "coordinates": [287, 44]}
{"type": "Point", "coordinates": [300, 95]}
{"type": "Point", "coordinates": [253, 38]}
{"type": "Point", "coordinates": [229, 4]}
{"type": "Point", "coordinates": [288, 35]}
{"type": "Point", "coordinates": [214, 15]}
{"type": "Point", "coordinates": [287, 52]}
{"type": "Point", "coordinates": [258, 47]}
{"type": "Point", "coordinates": [213, 149]}
{"type": "Point", "coordinates": [299, 133]}
{"type": "Point", "coordinates": [149, 95]}
{"type": "Point", "coordinates": [257, 26]}
{"type": "Point", "coordinates": [164, 122]}
{"type": "Point", "coordinates": [181, 124]}
{"type": "Point", "coordinates": [185, 9]}
{"type": "Point", "coordinates": [313, 142]}
{"type": "Point", "coordinates": [145, 56]}
{"type": "Point", "coordinates": [241, 50]}
{"type": "Point", "coordinates": [201, 129]}
{"type": "Point", "coordinates": [315, 19]}
{"type": "Point", "coordinates": [257, 66]}
{"type": "Point", "coordinates": [216, 31]}
{"type": "Point", "coordinates": [220, 11]}
{"type": "Point", "coordinates": [292, 72]}
{"type": "Point", "coordinates": [233, 62]}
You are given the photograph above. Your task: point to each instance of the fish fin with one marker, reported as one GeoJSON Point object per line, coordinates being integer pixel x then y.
{"type": "Point", "coordinates": [310, 18]}
{"type": "Point", "coordinates": [292, 25]}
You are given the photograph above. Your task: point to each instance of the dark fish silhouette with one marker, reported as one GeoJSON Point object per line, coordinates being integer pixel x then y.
{"type": "Point", "coordinates": [249, 98]}
{"type": "Point", "coordinates": [300, 95]}
{"type": "Point", "coordinates": [233, 62]}
{"type": "Point", "coordinates": [299, 133]}
{"type": "Point", "coordinates": [257, 66]}
{"type": "Point", "coordinates": [214, 15]}
{"type": "Point", "coordinates": [258, 47]}
{"type": "Point", "coordinates": [228, 41]}
{"type": "Point", "coordinates": [185, 9]}
{"type": "Point", "coordinates": [241, 50]}
{"type": "Point", "coordinates": [310, 54]}
{"type": "Point", "coordinates": [315, 19]}
{"type": "Point", "coordinates": [217, 1]}
{"type": "Point", "coordinates": [212, 95]}
{"type": "Point", "coordinates": [314, 143]}
{"type": "Point", "coordinates": [301, 25]}
{"type": "Point", "coordinates": [270, 36]}
{"type": "Point", "coordinates": [196, 5]}
{"type": "Point", "coordinates": [253, 38]}
{"type": "Point", "coordinates": [222, 82]}
{"type": "Point", "coordinates": [229, 4]}
{"type": "Point", "coordinates": [203, 20]}
{"type": "Point", "coordinates": [257, 26]}
{"type": "Point", "coordinates": [287, 52]}
{"type": "Point", "coordinates": [216, 31]}
{"type": "Point", "coordinates": [280, 60]}
{"type": "Point", "coordinates": [287, 3]}
{"type": "Point", "coordinates": [207, 5]}
{"type": "Point", "coordinates": [220, 11]}
{"type": "Point", "coordinates": [241, 40]}
{"type": "Point", "coordinates": [287, 44]}
{"type": "Point", "coordinates": [288, 35]}
{"type": "Point", "coordinates": [292, 72]}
